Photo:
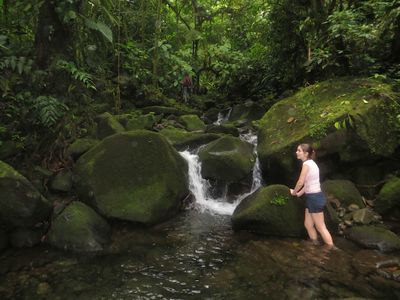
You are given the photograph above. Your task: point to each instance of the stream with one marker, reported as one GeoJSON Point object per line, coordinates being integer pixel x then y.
{"type": "Point", "coordinates": [197, 256]}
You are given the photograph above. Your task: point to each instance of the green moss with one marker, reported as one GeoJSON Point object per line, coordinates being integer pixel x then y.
{"type": "Point", "coordinates": [258, 213]}
{"type": "Point", "coordinates": [228, 159]}
{"type": "Point", "coordinates": [226, 128]}
{"type": "Point", "coordinates": [107, 125]}
{"type": "Point", "coordinates": [21, 204]}
{"type": "Point", "coordinates": [80, 146]}
{"type": "Point", "coordinates": [279, 200]}
{"type": "Point", "coordinates": [181, 139]}
{"type": "Point", "coordinates": [192, 123]}
{"type": "Point", "coordinates": [316, 109]}
{"type": "Point", "coordinates": [343, 190]}
{"type": "Point", "coordinates": [374, 237]}
{"type": "Point", "coordinates": [163, 110]}
{"type": "Point", "coordinates": [79, 228]}
{"type": "Point", "coordinates": [388, 197]}
{"type": "Point", "coordinates": [134, 176]}
{"type": "Point", "coordinates": [142, 122]}
{"type": "Point", "coordinates": [9, 172]}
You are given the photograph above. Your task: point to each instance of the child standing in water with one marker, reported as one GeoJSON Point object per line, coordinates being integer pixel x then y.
{"type": "Point", "coordinates": [309, 184]}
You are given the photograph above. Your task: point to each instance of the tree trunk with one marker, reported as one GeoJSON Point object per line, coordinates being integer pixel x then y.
{"type": "Point", "coordinates": [5, 12]}
{"type": "Point", "coordinates": [51, 36]}
{"type": "Point", "coordinates": [157, 33]}
{"type": "Point", "coordinates": [395, 51]}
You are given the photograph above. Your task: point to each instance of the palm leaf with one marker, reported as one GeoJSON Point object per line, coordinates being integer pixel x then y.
{"type": "Point", "coordinates": [100, 27]}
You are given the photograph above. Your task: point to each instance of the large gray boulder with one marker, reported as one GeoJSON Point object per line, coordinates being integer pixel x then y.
{"type": "Point", "coordinates": [228, 159]}
{"type": "Point", "coordinates": [388, 200]}
{"type": "Point", "coordinates": [107, 125]}
{"type": "Point", "coordinates": [80, 146]}
{"type": "Point", "coordinates": [344, 191]}
{"type": "Point", "coordinates": [182, 139]}
{"type": "Point", "coordinates": [21, 205]}
{"type": "Point", "coordinates": [135, 176]}
{"type": "Point", "coordinates": [192, 123]}
{"type": "Point", "coordinates": [374, 237]}
{"type": "Point", "coordinates": [271, 211]}
{"type": "Point", "coordinates": [79, 228]}
{"type": "Point", "coordinates": [348, 120]}
{"type": "Point", "coordinates": [246, 112]}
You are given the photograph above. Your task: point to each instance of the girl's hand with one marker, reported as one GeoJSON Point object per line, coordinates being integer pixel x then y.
{"type": "Point", "coordinates": [292, 192]}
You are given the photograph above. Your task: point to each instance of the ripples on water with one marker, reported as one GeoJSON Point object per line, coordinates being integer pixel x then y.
{"type": "Point", "coordinates": [195, 256]}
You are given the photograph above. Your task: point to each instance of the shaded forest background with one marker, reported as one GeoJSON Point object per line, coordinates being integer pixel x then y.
{"type": "Point", "coordinates": [63, 62]}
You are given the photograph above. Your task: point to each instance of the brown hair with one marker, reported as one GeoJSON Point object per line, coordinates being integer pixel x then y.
{"type": "Point", "coordinates": [309, 150]}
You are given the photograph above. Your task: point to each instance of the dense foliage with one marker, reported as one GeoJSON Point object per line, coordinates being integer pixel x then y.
{"type": "Point", "coordinates": [62, 61]}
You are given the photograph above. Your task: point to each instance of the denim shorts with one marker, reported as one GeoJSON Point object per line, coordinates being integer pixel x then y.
{"type": "Point", "coordinates": [315, 202]}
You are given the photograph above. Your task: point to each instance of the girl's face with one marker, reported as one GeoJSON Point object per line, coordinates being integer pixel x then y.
{"type": "Point", "coordinates": [300, 154]}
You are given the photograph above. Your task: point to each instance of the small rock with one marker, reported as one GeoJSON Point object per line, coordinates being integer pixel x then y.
{"type": "Point", "coordinates": [290, 120]}
{"type": "Point", "coordinates": [396, 275]}
{"type": "Point", "coordinates": [353, 207]}
{"type": "Point", "coordinates": [374, 237]}
{"type": "Point", "coordinates": [62, 182]}
{"type": "Point", "coordinates": [370, 203]}
{"type": "Point", "coordinates": [348, 223]}
{"type": "Point", "coordinates": [363, 216]}
{"type": "Point", "coordinates": [341, 212]}
{"type": "Point", "coordinates": [377, 217]}
{"type": "Point", "coordinates": [43, 289]}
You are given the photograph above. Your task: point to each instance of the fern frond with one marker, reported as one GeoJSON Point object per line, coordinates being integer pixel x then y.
{"type": "Point", "coordinates": [77, 74]}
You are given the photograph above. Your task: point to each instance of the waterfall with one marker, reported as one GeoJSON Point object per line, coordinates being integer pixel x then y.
{"type": "Point", "coordinates": [223, 118]}
{"type": "Point", "coordinates": [200, 187]}
{"type": "Point", "coordinates": [251, 138]}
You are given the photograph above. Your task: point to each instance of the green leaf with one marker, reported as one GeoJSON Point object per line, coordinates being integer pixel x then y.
{"type": "Point", "coordinates": [101, 27]}
{"type": "Point", "coordinates": [71, 15]}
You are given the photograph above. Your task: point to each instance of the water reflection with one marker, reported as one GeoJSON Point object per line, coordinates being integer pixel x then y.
{"type": "Point", "coordinates": [195, 256]}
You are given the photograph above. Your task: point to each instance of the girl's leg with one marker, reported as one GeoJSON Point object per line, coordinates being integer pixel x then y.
{"type": "Point", "coordinates": [309, 225]}
{"type": "Point", "coordinates": [318, 219]}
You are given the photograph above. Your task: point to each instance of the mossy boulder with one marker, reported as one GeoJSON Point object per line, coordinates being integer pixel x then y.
{"type": "Point", "coordinates": [21, 205]}
{"type": "Point", "coordinates": [374, 237]}
{"type": "Point", "coordinates": [271, 211]}
{"type": "Point", "coordinates": [79, 228]}
{"type": "Point", "coordinates": [135, 176]}
{"type": "Point", "coordinates": [343, 190]}
{"type": "Point", "coordinates": [62, 182]}
{"type": "Point", "coordinates": [362, 109]}
{"type": "Point", "coordinates": [25, 237]}
{"type": "Point", "coordinates": [107, 125]}
{"type": "Point", "coordinates": [192, 123]}
{"type": "Point", "coordinates": [3, 240]}
{"type": "Point", "coordinates": [367, 178]}
{"type": "Point", "coordinates": [163, 110]}
{"type": "Point", "coordinates": [228, 159]}
{"type": "Point", "coordinates": [142, 122]}
{"type": "Point", "coordinates": [247, 112]}
{"type": "Point", "coordinates": [211, 115]}
{"type": "Point", "coordinates": [388, 200]}
{"type": "Point", "coordinates": [80, 146]}
{"type": "Point", "coordinates": [226, 128]}
{"type": "Point", "coordinates": [9, 148]}
{"type": "Point", "coordinates": [182, 139]}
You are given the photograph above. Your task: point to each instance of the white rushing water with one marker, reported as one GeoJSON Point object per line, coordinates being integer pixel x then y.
{"type": "Point", "coordinates": [223, 118]}
{"type": "Point", "coordinates": [200, 187]}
